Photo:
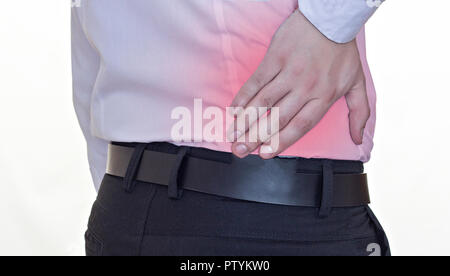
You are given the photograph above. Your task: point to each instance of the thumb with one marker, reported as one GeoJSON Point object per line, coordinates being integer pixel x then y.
{"type": "Point", "coordinates": [358, 105]}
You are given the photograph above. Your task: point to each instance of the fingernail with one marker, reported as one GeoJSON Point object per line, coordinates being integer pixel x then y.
{"type": "Point", "coordinates": [241, 149]}
{"type": "Point", "coordinates": [266, 150]}
{"type": "Point", "coordinates": [362, 133]}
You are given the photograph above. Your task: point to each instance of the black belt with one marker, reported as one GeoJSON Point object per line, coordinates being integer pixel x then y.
{"type": "Point", "coordinates": [274, 181]}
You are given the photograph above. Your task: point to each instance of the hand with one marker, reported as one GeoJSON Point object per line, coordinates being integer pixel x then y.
{"type": "Point", "coordinates": [304, 74]}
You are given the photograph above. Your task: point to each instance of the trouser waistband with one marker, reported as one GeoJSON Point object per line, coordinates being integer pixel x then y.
{"type": "Point", "coordinates": [320, 183]}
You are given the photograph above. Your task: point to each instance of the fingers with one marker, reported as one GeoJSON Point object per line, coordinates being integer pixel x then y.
{"type": "Point", "coordinates": [301, 124]}
{"type": "Point", "coordinates": [272, 93]}
{"type": "Point", "coordinates": [251, 142]}
{"type": "Point", "coordinates": [257, 134]}
{"type": "Point", "coordinates": [294, 124]}
{"type": "Point", "coordinates": [268, 126]}
{"type": "Point", "coordinates": [358, 105]}
{"type": "Point", "coordinates": [266, 72]}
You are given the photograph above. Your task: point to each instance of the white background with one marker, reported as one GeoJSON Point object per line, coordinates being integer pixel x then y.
{"type": "Point", "coordinates": [45, 186]}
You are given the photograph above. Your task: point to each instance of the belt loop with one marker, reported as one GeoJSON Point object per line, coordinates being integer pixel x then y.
{"type": "Point", "coordinates": [327, 189]}
{"type": "Point", "coordinates": [133, 167]}
{"type": "Point", "coordinates": [174, 190]}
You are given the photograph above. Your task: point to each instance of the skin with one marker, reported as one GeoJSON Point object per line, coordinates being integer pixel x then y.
{"type": "Point", "coordinates": [304, 74]}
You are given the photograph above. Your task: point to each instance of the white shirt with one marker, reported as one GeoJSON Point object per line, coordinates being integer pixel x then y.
{"type": "Point", "coordinates": [134, 61]}
{"type": "Point", "coordinates": [339, 20]}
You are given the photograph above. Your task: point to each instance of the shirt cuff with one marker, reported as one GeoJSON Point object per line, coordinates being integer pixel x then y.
{"type": "Point", "coordinates": [339, 20]}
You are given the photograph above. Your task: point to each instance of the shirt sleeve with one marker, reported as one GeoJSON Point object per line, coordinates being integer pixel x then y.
{"type": "Point", "coordinates": [339, 20]}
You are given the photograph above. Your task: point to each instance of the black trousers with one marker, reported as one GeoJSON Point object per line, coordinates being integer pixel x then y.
{"type": "Point", "coordinates": [147, 222]}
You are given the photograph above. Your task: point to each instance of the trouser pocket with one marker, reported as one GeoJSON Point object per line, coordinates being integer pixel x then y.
{"type": "Point", "coordinates": [94, 246]}
{"type": "Point", "coordinates": [118, 219]}
{"type": "Point", "coordinates": [381, 248]}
